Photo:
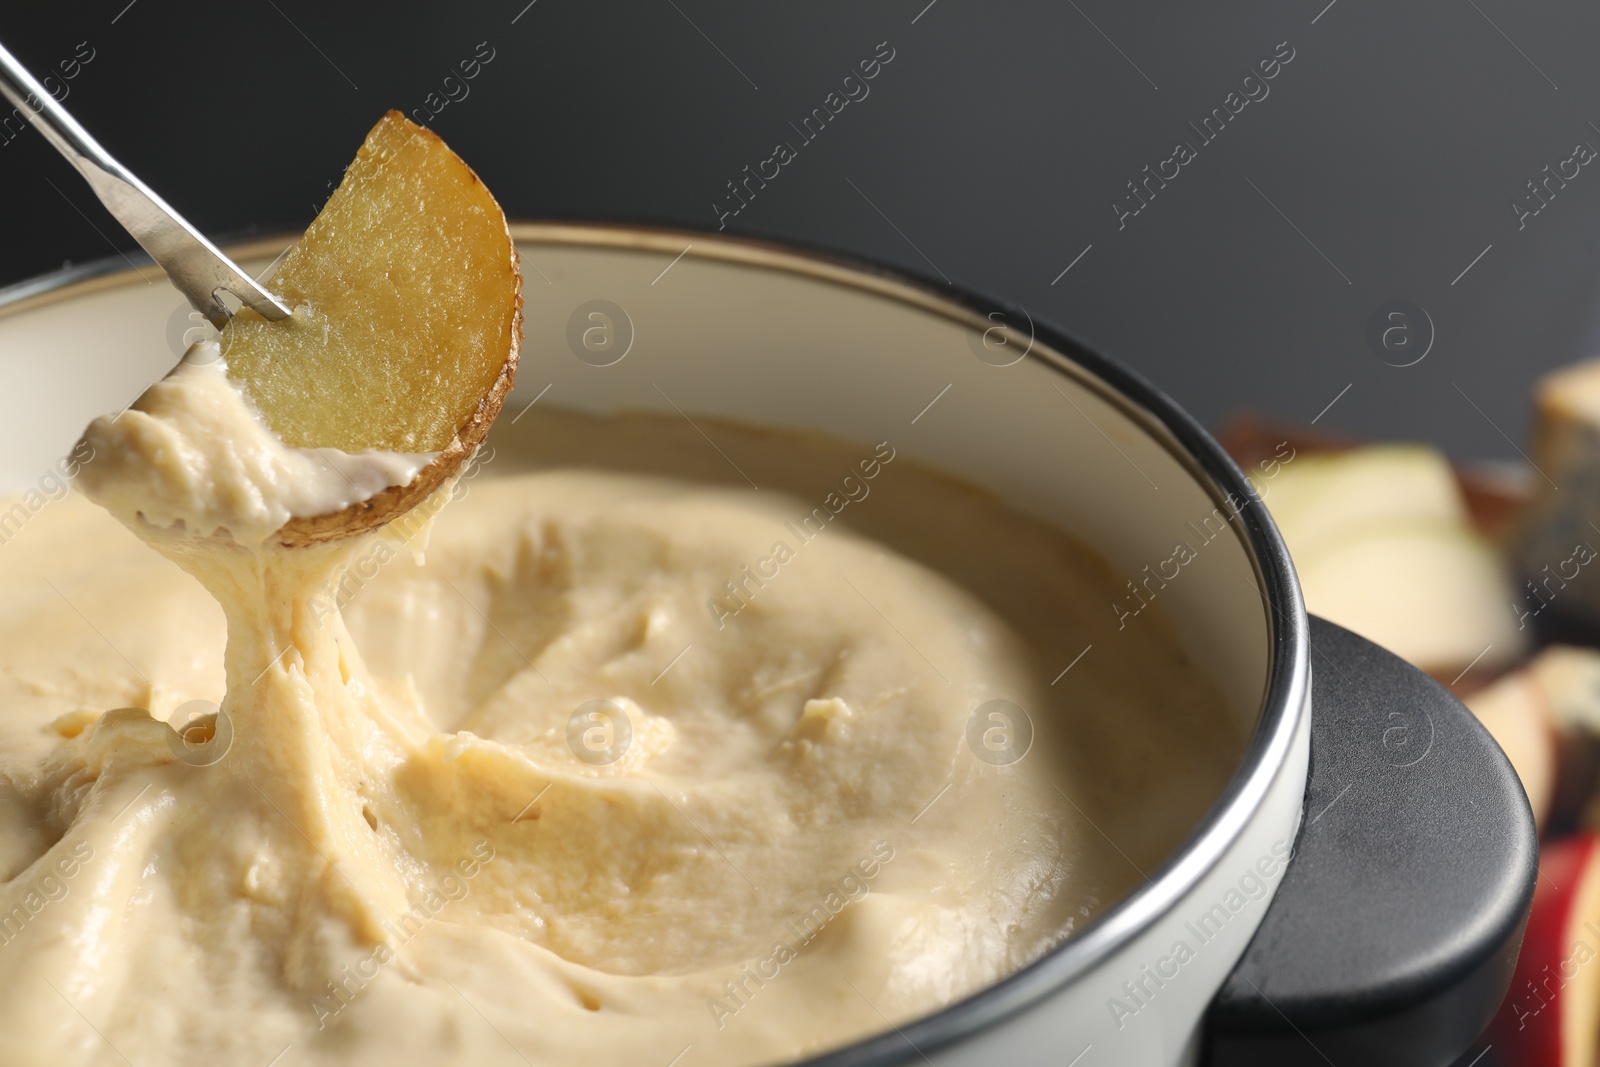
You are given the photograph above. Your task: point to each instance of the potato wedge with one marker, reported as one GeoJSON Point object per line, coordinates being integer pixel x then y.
{"type": "Point", "coordinates": [407, 323]}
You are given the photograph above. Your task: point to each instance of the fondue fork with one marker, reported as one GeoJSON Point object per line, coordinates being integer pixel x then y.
{"type": "Point", "coordinates": [196, 266]}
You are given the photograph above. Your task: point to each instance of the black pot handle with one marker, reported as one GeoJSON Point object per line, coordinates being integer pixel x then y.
{"type": "Point", "coordinates": [1394, 934]}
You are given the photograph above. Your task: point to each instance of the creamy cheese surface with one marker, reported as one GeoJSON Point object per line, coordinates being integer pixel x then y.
{"type": "Point", "coordinates": [635, 761]}
{"type": "Point", "coordinates": [191, 453]}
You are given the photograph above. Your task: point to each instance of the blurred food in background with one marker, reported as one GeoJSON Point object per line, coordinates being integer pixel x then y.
{"type": "Point", "coordinates": [1485, 576]}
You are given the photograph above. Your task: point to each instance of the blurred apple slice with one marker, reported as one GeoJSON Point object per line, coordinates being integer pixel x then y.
{"type": "Point", "coordinates": [1321, 498]}
{"type": "Point", "coordinates": [1433, 592]}
{"type": "Point", "coordinates": [1515, 712]}
{"type": "Point", "coordinates": [1383, 544]}
{"type": "Point", "coordinates": [1569, 678]}
{"type": "Point", "coordinates": [1551, 1014]}
{"type": "Point", "coordinates": [408, 310]}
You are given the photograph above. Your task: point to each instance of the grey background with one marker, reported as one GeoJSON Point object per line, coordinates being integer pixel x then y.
{"type": "Point", "coordinates": [989, 153]}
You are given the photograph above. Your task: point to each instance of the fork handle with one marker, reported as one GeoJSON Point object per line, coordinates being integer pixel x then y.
{"type": "Point", "coordinates": [196, 266]}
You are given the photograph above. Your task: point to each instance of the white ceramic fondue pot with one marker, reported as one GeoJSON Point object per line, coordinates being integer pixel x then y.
{"type": "Point", "coordinates": [623, 317]}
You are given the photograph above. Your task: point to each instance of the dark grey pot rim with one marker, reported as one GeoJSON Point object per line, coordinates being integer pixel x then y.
{"type": "Point", "coordinates": [1283, 702]}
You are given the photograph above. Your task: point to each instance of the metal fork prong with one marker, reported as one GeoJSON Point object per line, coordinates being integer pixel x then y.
{"type": "Point", "coordinates": [195, 265]}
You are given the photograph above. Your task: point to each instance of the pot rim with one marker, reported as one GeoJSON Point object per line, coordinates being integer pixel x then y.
{"type": "Point", "coordinates": [1284, 699]}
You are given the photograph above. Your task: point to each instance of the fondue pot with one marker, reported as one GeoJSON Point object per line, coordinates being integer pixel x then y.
{"type": "Point", "coordinates": [1357, 892]}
